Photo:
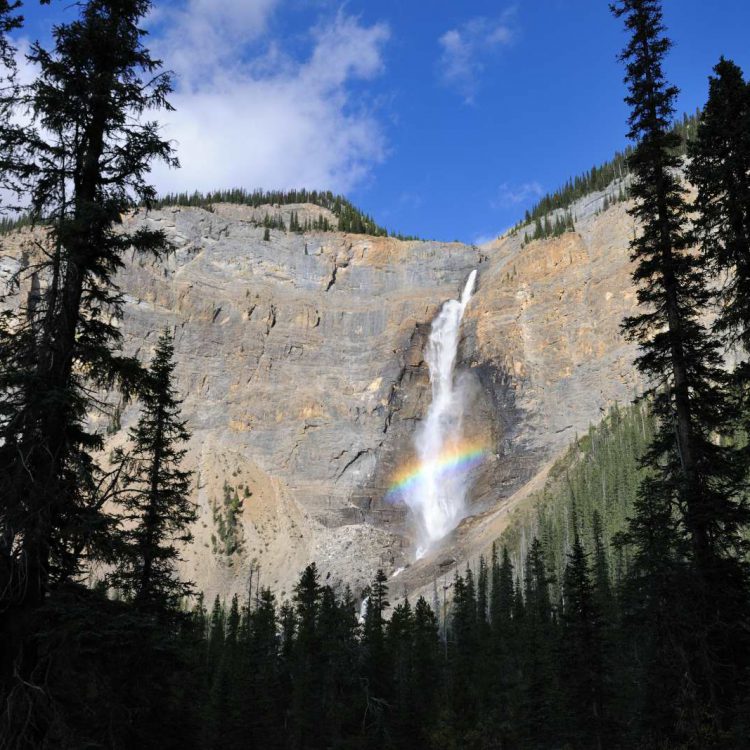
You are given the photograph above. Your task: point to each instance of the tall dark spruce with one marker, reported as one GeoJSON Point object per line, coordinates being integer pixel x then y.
{"type": "Point", "coordinates": [305, 662]}
{"type": "Point", "coordinates": [688, 578]}
{"type": "Point", "coordinates": [82, 163]}
{"type": "Point", "coordinates": [157, 511]}
{"type": "Point", "coordinates": [582, 654]}
{"type": "Point", "coordinates": [375, 660]}
{"type": "Point", "coordinates": [720, 171]}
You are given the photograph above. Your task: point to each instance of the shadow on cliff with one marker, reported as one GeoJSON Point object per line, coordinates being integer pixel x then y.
{"type": "Point", "coordinates": [492, 418]}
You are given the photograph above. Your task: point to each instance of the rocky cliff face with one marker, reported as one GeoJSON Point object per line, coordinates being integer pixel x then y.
{"type": "Point", "coordinates": [301, 364]}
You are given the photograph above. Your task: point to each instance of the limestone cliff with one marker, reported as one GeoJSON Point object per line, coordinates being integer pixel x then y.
{"type": "Point", "coordinates": [300, 359]}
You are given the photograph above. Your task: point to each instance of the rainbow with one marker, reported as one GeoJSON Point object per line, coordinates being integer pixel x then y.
{"type": "Point", "coordinates": [454, 459]}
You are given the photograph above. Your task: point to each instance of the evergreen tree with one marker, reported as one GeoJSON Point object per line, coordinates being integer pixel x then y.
{"type": "Point", "coordinates": [426, 660]}
{"type": "Point", "coordinates": [288, 629]}
{"type": "Point", "coordinates": [215, 709]}
{"type": "Point", "coordinates": [583, 660]}
{"type": "Point", "coordinates": [375, 666]}
{"type": "Point", "coordinates": [694, 476]}
{"type": "Point", "coordinates": [83, 163]}
{"type": "Point", "coordinates": [501, 603]}
{"type": "Point", "coordinates": [223, 708]}
{"type": "Point", "coordinates": [399, 642]}
{"type": "Point", "coordinates": [8, 22]}
{"type": "Point", "coordinates": [462, 651]}
{"type": "Point", "coordinates": [482, 595]}
{"type": "Point", "coordinates": [342, 694]}
{"type": "Point", "coordinates": [11, 131]}
{"type": "Point", "coordinates": [602, 588]}
{"type": "Point", "coordinates": [306, 708]}
{"type": "Point", "coordinates": [537, 581]}
{"type": "Point", "coordinates": [720, 171]}
{"type": "Point", "coordinates": [501, 667]}
{"type": "Point", "coordinates": [263, 702]}
{"type": "Point", "coordinates": [538, 686]}
{"type": "Point", "coordinates": [156, 508]}
{"type": "Point", "coordinates": [215, 645]}
{"type": "Point", "coordinates": [538, 230]}
{"type": "Point", "coordinates": [493, 604]}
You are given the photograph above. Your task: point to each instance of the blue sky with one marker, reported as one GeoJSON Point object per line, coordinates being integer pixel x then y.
{"type": "Point", "coordinates": [443, 119]}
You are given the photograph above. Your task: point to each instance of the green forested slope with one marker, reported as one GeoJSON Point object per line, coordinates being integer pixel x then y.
{"type": "Point", "coordinates": [599, 474]}
{"type": "Point", "coordinates": [601, 176]}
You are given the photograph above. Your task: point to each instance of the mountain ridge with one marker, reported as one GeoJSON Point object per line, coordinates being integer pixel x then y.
{"type": "Point", "coordinates": [317, 299]}
{"type": "Point", "coordinates": [301, 361]}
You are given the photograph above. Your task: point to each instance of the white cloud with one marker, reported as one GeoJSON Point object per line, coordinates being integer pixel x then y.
{"type": "Point", "coordinates": [465, 49]}
{"type": "Point", "coordinates": [249, 114]}
{"type": "Point", "coordinates": [27, 71]}
{"type": "Point", "coordinates": [202, 37]}
{"type": "Point", "coordinates": [511, 195]}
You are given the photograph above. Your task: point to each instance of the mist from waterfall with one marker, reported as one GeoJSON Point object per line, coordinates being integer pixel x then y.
{"type": "Point", "coordinates": [438, 502]}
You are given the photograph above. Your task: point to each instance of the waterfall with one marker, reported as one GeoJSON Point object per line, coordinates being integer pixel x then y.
{"type": "Point", "coordinates": [438, 501]}
{"type": "Point", "coordinates": [363, 609]}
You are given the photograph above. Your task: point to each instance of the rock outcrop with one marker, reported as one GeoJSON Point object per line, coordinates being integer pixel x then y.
{"type": "Point", "coordinates": [300, 359]}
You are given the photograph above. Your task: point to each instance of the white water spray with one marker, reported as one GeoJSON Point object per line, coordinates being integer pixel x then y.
{"type": "Point", "coordinates": [363, 609]}
{"type": "Point", "coordinates": [439, 501]}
